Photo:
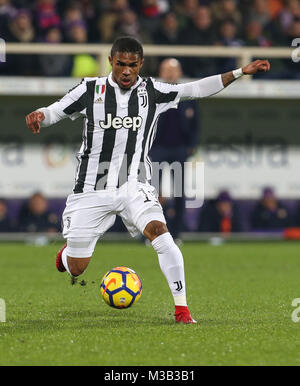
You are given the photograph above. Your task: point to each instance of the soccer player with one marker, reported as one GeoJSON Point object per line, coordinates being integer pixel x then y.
{"type": "Point", "coordinates": [114, 171]}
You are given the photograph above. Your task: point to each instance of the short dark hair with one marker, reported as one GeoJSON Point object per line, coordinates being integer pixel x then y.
{"type": "Point", "coordinates": [127, 44]}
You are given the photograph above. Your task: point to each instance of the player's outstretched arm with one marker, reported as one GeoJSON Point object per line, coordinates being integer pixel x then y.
{"type": "Point", "coordinates": [33, 121]}
{"type": "Point", "coordinates": [214, 84]}
{"type": "Point", "coordinates": [250, 69]}
{"type": "Point", "coordinates": [71, 106]}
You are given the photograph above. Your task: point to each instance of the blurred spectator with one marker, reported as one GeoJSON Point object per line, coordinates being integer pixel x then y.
{"type": "Point", "coordinates": [223, 10]}
{"type": "Point", "coordinates": [47, 15]}
{"type": "Point", "coordinates": [270, 214]}
{"type": "Point", "coordinates": [21, 30]}
{"type": "Point", "coordinates": [290, 12]}
{"type": "Point", "coordinates": [201, 32]}
{"type": "Point", "coordinates": [228, 37]}
{"type": "Point", "coordinates": [168, 33]}
{"type": "Point", "coordinates": [7, 12]}
{"type": "Point", "coordinates": [275, 7]}
{"type": "Point", "coordinates": [150, 13]}
{"type": "Point", "coordinates": [35, 216]}
{"type": "Point", "coordinates": [128, 25]}
{"type": "Point", "coordinates": [228, 34]}
{"type": "Point", "coordinates": [72, 16]}
{"type": "Point", "coordinates": [176, 139]}
{"type": "Point", "coordinates": [5, 221]}
{"type": "Point", "coordinates": [77, 33]}
{"type": "Point", "coordinates": [90, 14]}
{"type": "Point", "coordinates": [84, 11]}
{"type": "Point", "coordinates": [83, 64]}
{"type": "Point", "coordinates": [108, 20]}
{"type": "Point", "coordinates": [255, 35]}
{"type": "Point", "coordinates": [186, 10]}
{"type": "Point", "coordinates": [260, 12]}
{"type": "Point", "coordinates": [220, 215]}
{"type": "Point", "coordinates": [55, 65]}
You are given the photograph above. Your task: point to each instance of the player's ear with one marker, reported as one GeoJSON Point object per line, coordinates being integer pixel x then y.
{"type": "Point", "coordinates": [110, 59]}
{"type": "Point", "coordinates": [142, 62]}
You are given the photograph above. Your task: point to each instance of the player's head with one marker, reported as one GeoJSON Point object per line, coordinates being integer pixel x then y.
{"type": "Point", "coordinates": [126, 59]}
{"type": "Point", "coordinates": [170, 70]}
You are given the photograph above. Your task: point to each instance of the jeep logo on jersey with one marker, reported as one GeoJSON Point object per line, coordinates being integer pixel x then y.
{"type": "Point", "coordinates": [133, 123]}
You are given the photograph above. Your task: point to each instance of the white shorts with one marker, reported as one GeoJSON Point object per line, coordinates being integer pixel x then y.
{"type": "Point", "coordinates": [89, 215]}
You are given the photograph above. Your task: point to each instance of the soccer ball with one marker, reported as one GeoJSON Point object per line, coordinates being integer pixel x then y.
{"type": "Point", "coordinates": [121, 287]}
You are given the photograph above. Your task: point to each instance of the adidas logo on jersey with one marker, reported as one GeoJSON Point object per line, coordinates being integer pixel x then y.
{"type": "Point", "coordinates": [99, 100]}
{"type": "Point", "coordinates": [133, 123]}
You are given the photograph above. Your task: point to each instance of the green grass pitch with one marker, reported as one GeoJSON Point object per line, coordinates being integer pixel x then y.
{"type": "Point", "coordinates": [241, 295]}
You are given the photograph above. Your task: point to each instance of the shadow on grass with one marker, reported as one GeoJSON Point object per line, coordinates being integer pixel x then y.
{"type": "Point", "coordinates": [114, 319]}
{"type": "Point", "coordinates": [89, 319]}
{"type": "Point", "coordinates": [231, 322]}
{"type": "Point", "coordinates": [71, 320]}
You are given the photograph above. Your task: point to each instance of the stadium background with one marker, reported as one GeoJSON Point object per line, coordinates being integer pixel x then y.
{"type": "Point", "coordinates": [249, 137]}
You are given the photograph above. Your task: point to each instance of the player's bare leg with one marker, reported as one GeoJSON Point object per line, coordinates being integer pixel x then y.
{"type": "Point", "coordinates": [74, 266]}
{"type": "Point", "coordinates": [172, 265]}
{"type": "Point", "coordinates": [77, 266]}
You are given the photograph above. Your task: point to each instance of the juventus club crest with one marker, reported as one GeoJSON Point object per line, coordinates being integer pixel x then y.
{"type": "Point", "coordinates": [179, 285]}
{"type": "Point", "coordinates": [143, 95]}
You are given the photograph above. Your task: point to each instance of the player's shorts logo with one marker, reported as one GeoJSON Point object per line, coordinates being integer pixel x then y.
{"type": "Point", "coordinates": [68, 220]}
{"type": "Point", "coordinates": [133, 123]}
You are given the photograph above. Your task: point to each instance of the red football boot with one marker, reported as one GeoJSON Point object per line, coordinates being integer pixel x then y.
{"type": "Point", "coordinates": [59, 264]}
{"type": "Point", "coordinates": [182, 315]}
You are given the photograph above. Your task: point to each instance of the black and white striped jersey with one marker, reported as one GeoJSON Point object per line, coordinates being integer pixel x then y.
{"type": "Point", "coordinates": [118, 127]}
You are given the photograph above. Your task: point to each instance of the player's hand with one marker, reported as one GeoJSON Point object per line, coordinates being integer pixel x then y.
{"type": "Point", "coordinates": [33, 121]}
{"type": "Point", "coordinates": [256, 66]}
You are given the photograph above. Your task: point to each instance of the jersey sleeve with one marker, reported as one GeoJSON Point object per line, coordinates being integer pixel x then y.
{"type": "Point", "coordinates": [72, 106]}
{"type": "Point", "coordinates": [201, 88]}
{"type": "Point", "coordinates": [169, 95]}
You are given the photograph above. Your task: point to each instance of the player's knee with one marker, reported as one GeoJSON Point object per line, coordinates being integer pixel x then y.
{"type": "Point", "coordinates": [77, 266]}
{"type": "Point", "coordinates": [155, 229]}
